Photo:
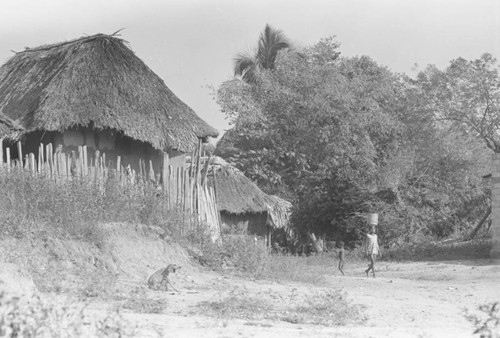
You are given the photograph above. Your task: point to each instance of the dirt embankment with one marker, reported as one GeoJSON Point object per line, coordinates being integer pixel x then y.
{"type": "Point", "coordinates": [405, 300]}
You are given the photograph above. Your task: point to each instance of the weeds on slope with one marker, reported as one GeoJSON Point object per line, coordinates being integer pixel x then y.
{"type": "Point", "coordinates": [35, 207]}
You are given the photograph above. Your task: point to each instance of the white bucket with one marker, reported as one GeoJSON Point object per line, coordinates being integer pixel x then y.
{"type": "Point", "coordinates": [372, 219]}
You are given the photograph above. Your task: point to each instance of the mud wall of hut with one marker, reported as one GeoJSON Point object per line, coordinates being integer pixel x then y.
{"type": "Point", "coordinates": [107, 141]}
{"type": "Point", "coordinates": [253, 223]}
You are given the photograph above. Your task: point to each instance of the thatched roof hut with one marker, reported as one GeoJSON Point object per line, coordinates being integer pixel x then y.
{"type": "Point", "coordinates": [242, 203]}
{"type": "Point", "coordinates": [96, 82]}
{"type": "Point", "coordinates": [8, 126]}
{"type": "Point", "coordinates": [236, 194]}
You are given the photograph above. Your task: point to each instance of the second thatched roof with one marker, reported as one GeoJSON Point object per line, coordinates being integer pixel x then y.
{"type": "Point", "coordinates": [279, 211]}
{"type": "Point", "coordinates": [96, 81]}
{"type": "Point", "coordinates": [237, 194]}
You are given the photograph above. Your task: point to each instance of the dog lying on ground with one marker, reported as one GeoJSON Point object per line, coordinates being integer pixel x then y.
{"type": "Point", "coordinates": [160, 281]}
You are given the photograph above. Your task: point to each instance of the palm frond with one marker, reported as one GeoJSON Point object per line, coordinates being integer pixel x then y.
{"type": "Point", "coordinates": [250, 74]}
{"type": "Point", "coordinates": [270, 42]}
{"type": "Point", "coordinates": [241, 63]}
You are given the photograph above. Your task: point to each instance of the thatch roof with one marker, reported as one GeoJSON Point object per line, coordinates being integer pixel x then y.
{"type": "Point", "coordinates": [96, 81]}
{"type": "Point", "coordinates": [236, 193]}
{"type": "Point", "coordinates": [279, 211]}
{"type": "Point", "coordinates": [8, 127]}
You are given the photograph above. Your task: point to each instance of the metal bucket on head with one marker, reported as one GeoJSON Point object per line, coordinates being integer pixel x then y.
{"type": "Point", "coordinates": [372, 219]}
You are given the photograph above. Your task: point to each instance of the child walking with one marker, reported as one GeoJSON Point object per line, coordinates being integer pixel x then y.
{"type": "Point", "coordinates": [371, 249]}
{"type": "Point", "coordinates": [341, 256]}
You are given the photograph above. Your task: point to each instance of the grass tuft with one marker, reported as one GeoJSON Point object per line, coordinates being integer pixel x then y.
{"type": "Point", "coordinates": [145, 305]}
{"type": "Point", "coordinates": [330, 308]}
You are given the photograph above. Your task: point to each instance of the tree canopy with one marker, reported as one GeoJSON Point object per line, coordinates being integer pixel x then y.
{"type": "Point", "coordinates": [467, 94]}
{"type": "Point", "coordinates": [342, 136]}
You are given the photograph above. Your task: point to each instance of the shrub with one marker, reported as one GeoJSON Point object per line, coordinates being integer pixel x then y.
{"type": "Point", "coordinates": [487, 323]}
{"type": "Point", "coordinates": [38, 317]}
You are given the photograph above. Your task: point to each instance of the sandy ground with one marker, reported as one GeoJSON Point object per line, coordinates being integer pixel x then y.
{"type": "Point", "coordinates": [425, 299]}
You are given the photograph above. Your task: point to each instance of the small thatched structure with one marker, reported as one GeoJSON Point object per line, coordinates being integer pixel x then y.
{"type": "Point", "coordinates": [243, 205]}
{"type": "Point", "coordinates": [279, 211]}
{"type": "Point", "coordinates": [96, 91]}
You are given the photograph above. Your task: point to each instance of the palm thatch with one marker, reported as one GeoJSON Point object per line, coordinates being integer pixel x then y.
{"type": "Point", "coordinates": [97, 81]}
{"type": "Point", "coordinates": [8, 127]}
{"type": "Point", "coordinates": [235, 193]}
{"type": "Point", "coordinates": [279, 212]}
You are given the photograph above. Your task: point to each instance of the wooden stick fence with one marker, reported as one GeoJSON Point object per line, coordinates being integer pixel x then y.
{"type": "Point", "coordinates": [182, 188]}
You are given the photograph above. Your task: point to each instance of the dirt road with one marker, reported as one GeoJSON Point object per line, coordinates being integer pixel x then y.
{"type": "Point", "coordinates": [405, 300]}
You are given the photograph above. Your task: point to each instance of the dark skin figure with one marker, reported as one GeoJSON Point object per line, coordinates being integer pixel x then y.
{"type": "Point", "coordinates": [341, 255]}
{"type": "Point", "coordinates": [372, 257]}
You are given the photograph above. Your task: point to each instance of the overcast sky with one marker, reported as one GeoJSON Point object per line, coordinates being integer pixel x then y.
{"type": "Point", "coordinates": [190, 44]}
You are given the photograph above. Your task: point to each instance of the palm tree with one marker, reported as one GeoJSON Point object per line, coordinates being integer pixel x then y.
{"type": "Point", "coordinates": [270, 42]}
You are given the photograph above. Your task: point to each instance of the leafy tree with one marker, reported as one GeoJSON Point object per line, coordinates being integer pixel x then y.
{"type": "Point", "coordinates": [271, 41]}
{"type": "Point", "coordinates": [345, 136]}
{"type": "Point", "coordinates": [313, 121]}
{"type": "Point", "coordinates": [466, 93]}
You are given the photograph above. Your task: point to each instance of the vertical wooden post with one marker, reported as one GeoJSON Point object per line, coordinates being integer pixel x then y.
{"type": "Point", "coordinates": [152, 176]}
{"type": "Point", "coordinates": [80, 161]}
{"type": "Point", "coordinates": [60, 164]}
{"type": "Point", "coordinates": [164, 177]}
{"type": "Point", "coordinates": [50, 160]}
{"type": "Point", "coordinates": [64, 165]}
{"type": "Point", "coordinates": [144, 173]}
{"type": "Point", "coordinates": [7, 150]}
{"type": "Point", "coordinates": [85, 160]}
{"type": "Point", "coordinates": [67, 160]}
{"type": "Point", "coordinates": [20, 153]}
{"type": "Point", "coordinates": [118, 166]}
{"type": "Point", "coordinates": [40, 150]}
{"type": "Point", "coordinates": [140, 168]}
{"type": "Point", "coordinates": [102, 170]}
{"type": "Point", "coordinates": [96, 165]}
{"type": "Point", "coordinates": [1, 152]}
{"type": "Point", "coordinates": [32, 164]}
{"type": "Point", "coordinates": [42, 158]}
{"type": "Point", "coordinates": [204, 173]}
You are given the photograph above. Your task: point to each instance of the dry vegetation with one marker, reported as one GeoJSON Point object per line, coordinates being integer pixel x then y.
{"type": "Point", "coordinates": [57, 233]}
{"type": "Point", "coordinates": [326, 309]}
{"type": "Point", "coordinates": [45, 317]}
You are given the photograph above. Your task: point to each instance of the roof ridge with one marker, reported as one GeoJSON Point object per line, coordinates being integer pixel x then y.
{"type": "Point", "coordinates": [82, 39]}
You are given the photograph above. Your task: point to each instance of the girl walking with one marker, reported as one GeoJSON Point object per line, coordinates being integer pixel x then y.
{"type": "Point", "coordinates": [372, 249]}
